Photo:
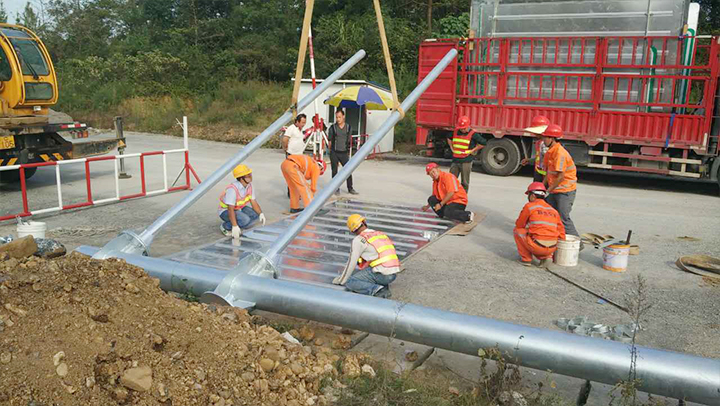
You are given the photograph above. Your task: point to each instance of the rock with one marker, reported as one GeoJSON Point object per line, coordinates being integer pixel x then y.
{"type": "Point", "coordinates": [200, 374]}
{"type": "Point", "coordinates": [120, 395]}
{"type": "Point", "coordinates": [62, 369]}
{"type": "Point", "coordinates": [20, 248]}
{"type": "Point", "coordinates": [306, 333]}
{"type": "Point", "coordinates": [49, 248]}
{"type": "Point", "coordinates": [310, 402]}
{"type": "Point", "coordinates": [267, 364]}
{"type": "Point", "coordinates": [272, 354]}
{"type": "Point", "coordinates": [138, 379]}
{"type": "Point", "coordinates": [296, 368]}
{"type": "Point", "coordinates": [16, 309]}
{"type": "Point", "coordinates": [90, 382]}
{"type": "Point", "coordinates": [132, 288]}
{"type": "Point", "coordinates": [57, 358]}
{"type": "Point", "coordinates": [342, 342]}
{"type": "Point", "coordinates": [319, 341]}
{"type": "Point", "coordinates": [454, 391]}
{"type": "Point", "coordinates": [347, 331]}
{"type": "Point", "coordinates": [411, 356]}
{"type": "Point", "coordinates": [67, 287]}
{"type": "Point", "coordinates": [230, 316]}
{"type": "Point", "coordinates": [512, 399]}
{"type": "Point", "coordinates": [351, 365]}
{"type": "Point", "coordinates": [4, 256]}
{"type": "Point", "coordinates": [248, 376]}
{"type": "Point", "coordinates": [70, 389]}
{"type": "Point", "coordinates": [5, 358]}
{"type": "Point", "coordinates": [162, 390]}
{"type": "Point", "coordinates": [368, 370]}
{"type": "Point", "coordinates": [100, 318]}
{"type": "Point", "coordinates": [36, 287]}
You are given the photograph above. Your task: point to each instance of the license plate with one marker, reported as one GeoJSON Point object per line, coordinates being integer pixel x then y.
{"type": "Point", "coordinates": [7, 142]}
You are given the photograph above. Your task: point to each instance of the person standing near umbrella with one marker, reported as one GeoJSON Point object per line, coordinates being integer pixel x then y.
{"type": "Point", "coordinates": [340, 139]}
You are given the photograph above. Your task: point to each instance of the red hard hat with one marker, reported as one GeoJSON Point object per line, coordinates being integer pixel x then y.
{"type": "Point", "coordinates": [536, 187]}
{"type": "Point", "coordinates": [538, 125]}
{"type": "Point", "coordinates": [463, 122]}
{"type": "Point", "coordinates": [554, 131]}
{"type": "Point", "coordinates": [430, 166]}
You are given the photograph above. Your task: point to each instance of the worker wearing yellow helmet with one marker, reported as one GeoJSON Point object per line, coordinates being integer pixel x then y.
{"type": "Point", "coordinates": [374, 254]}
{"type": "Point", "coordinates": [238, 207]}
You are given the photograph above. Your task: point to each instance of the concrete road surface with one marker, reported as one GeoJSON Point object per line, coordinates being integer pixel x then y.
{"type": "Point", "coordinates": [476, 274]}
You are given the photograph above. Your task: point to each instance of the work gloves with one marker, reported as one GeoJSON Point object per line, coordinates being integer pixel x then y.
{"type": "Point", "coordinates": [236, 232]}
{"type": "Point", "coordinates": [262, 218]}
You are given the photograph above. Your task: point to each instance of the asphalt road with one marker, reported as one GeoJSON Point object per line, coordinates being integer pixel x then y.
{"type": "Point", "coordinates": [475, 274]}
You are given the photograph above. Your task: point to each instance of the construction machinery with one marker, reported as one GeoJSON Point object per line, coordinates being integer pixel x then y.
{"type": "Point", "coordinates": [28, 88]}
{"type": "Point", "coordinates": [633, 86]}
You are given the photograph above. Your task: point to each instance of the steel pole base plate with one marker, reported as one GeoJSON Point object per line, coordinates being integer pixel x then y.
{"type": "Point", "coordinates": [217, 300]}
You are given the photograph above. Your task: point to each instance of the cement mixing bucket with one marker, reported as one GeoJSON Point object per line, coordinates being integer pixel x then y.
{"type": "Point", "coordinates": [568, 251]}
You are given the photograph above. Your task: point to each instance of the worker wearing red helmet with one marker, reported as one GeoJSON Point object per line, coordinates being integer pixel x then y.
{"type": "Point", "coordinates": [538, 228]}
{"type": "Point", "coordinates": [449, 198]}
{"type": "Point", "coordinates": [464, 143]}
{"type": "Point", "coordinates": [538, 125]}
{"type": "Point", "coordinates": [561, 178]}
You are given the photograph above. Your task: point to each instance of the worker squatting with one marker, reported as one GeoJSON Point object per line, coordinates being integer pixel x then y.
{"type": "Point", "coordinates": [373, 263]}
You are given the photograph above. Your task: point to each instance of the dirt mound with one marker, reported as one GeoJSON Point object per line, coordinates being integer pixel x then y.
{"type": "Point", "coordinates": [76, 331]}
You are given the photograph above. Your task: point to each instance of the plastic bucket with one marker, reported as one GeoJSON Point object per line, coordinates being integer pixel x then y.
{"type": "Point", "coordinates": [35, 228]}
{"type": "Point", "coordinates": [568, 251]}
{"type": "Point", "coordinates": [615, 257]}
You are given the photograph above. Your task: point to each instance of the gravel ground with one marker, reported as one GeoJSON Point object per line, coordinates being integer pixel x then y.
{"type": "Point", "coordinates": [475, 274]}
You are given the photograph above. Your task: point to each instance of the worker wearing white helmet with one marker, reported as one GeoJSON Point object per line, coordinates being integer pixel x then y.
{"type": "Point", "coordinates": [238, 207]}
{"type": "Point", "coordinates": [374, 253]}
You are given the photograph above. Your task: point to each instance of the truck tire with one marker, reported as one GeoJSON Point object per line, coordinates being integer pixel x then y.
{"type": "Point", "coordinates": [14, 176]}
{"type": "Point", "coordinates": [500, 157]}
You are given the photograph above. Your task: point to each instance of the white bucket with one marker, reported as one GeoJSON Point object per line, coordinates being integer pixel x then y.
{"type": "Point", "coordinates": [568, 251]}
{"type": "Point", "coordinates": [35, 228]}
{"type": "Point", "coordinates": [615, 257]}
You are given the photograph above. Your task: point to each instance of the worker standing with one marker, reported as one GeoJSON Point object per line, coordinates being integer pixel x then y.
{"type": "Point", "coordinates": [297, 170]}
{"type": "Point", "coordinates": [538, 228]}
{"type": "Point", "coordinates": [374, 253]}
{"type": "Point", "coordinates": [340, 139]}
{"type": "Point", "coordinates": [561, 177]}
{"type": "Point", "coordinates": [449, 198]}
{"type": "Point", "coordinates": [464, 143]}
{"type": "Point", "coordinates": [293, 140]}
{"type": "Point", "coordinates": [238, 207]}
{"type": "Point", "coordinates": [538, 125]}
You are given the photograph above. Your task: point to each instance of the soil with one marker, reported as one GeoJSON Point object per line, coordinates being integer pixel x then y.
{"type": "Point", "coordinates": [77, 331]}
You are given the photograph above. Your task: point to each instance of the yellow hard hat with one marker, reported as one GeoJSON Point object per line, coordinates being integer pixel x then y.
{"type": "Point", "coordinates": [354, 222]}
{"type": "Point", "coordinates": [241, 170]}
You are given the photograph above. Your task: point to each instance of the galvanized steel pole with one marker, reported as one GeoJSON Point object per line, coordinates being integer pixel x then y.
{"type": "Point", "coordinates": [131, 243]}
{"type": "Point", "coordinates": [323, 195]}
{"type": "Point", "coordinates": [665, 373]}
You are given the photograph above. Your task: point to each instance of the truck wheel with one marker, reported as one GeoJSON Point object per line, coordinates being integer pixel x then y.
{"type": "Point", "coordinates": [500, 157]}
{"type": "Point", "coordinates": [14, 176]}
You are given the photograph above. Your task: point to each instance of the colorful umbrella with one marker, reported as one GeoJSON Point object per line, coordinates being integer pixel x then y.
{"type": "Point", "coordinates": [356, 96]}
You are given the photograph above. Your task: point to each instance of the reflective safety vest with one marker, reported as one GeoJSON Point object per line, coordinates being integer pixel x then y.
{"type": "Point", "coordinates": [539, 157]}
{"type": "Point", "coordinates": [241, 202]}
{"type": "Point", "coordinates": [461, 144]}
{"type": "Point", "coordinates": [387, 256]}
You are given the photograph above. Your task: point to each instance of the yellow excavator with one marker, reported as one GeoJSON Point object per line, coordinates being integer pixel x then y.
{"type": "Point", "coordinates": [28, 88]}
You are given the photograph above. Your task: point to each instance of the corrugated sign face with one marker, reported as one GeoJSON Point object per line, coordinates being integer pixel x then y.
{"type": "Point", "coordinates": [319, 253]}
{"type": "Point", "coordinates": [525, 18]}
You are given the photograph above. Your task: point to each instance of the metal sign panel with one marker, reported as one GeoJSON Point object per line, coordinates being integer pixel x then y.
{"type": "Point", "coordinates": [320, 251]}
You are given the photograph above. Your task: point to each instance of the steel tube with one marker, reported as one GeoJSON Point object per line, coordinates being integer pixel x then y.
{"type": "Point", "coordinates": [147, 236]}
{"type": "Point", "coordinates": [665, 373]}
{"type": "Point", "coordinates": [367, 148]}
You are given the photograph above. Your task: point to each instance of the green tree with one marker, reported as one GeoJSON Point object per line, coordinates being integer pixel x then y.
{"type": "Point", "coordinates": [3, 12]}
{"type": "Point", "coordinates": [29, 18]}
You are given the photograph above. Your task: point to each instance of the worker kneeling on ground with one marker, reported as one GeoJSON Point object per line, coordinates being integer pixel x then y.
{"type": "Point", "coordinates": [297, 170]}
{"type": "Point", "coordinates": [375, 255]}
{"type": "Point", "coordinates": [449, 198]}
{"type": "Point", "coordinates": [538, 228]}
{"type": "Point", "coordinates": [238, 207]}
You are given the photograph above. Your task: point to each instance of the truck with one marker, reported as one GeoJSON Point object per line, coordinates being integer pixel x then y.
{"type": "Point", "coordinates": [632, 84]}
{"type": "Point", "coordinates": [28, 88]}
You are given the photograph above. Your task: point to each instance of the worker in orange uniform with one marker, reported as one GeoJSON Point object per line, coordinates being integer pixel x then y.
{"type": "Point", "coordinates": [538, 228]}
{"type": "Point", "coordinates": [374, 253]}
{"type": "Point", "coordinates": [464, 143]}
{"type": "Point", "coordinates": [561, 178]}
{"type": "Point", "coordinates": [449, 198]}
{"type": "Point", "coordinates": [238, 207]}
{"type": "Point", "coordinates": [297, 170]}
{"type": "Point", "coordinates": [538, 125]}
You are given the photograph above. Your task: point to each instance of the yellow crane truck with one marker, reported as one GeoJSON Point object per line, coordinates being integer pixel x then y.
{"type": "Point", "coordinates": [28, 88]}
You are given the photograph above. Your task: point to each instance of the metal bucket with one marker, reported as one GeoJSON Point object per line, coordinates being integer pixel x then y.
{"type": "Point", "coordinates": [615, 257]}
